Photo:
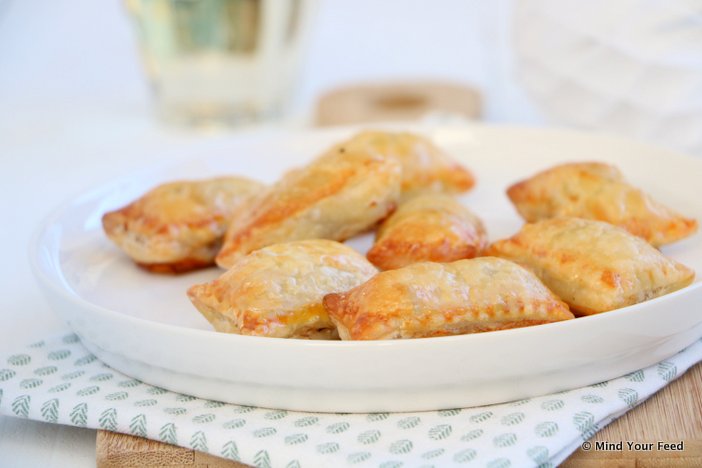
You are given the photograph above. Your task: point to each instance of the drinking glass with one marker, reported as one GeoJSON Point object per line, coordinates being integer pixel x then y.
{"type": "Point", "coordinates": [221, 61]}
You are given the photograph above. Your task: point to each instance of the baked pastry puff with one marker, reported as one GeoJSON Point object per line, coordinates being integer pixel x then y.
{"type": "Point", "coordinates": [432, 227]}
{"type": "Point", "coordinates": [598, 191]}
{"type": "Point", "coordinates": [593, 266]}
{"type": "Point", "coordinates": [277, 291]}
{"type": "Point", "coordinates": [425, 167]}
{"type": "Point", "coordinates": [179, 226]}
{"type": "Point", "coordinates": [334, 197]}
{"type": "Point", "coordinates": [436, 299]}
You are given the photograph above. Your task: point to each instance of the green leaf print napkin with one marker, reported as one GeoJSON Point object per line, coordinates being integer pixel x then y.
{"type": "Point", "coordinates": [58, 381]}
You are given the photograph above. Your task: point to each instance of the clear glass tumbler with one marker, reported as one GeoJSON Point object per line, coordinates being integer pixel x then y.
{"type": "Point", "coordinates": [221, 62]}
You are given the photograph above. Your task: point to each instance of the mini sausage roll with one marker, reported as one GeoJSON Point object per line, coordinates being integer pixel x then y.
{"type": "Point", "coordinates": [436, 299]}
{"type": "Point", "coordinates": [598, 191]}
{"type": "Point", "coordinates": [277, 291]}
{"type": "Point", "coordinates": [431, 227]}
{"type": "Point", "coordinates": [334, 197]}
{"type": "Point", "coordinates": [425, 167]}
{"type": "Point", "coordinates": [179, 226]}
{"type": "Point", "coordinates": [593, 266]}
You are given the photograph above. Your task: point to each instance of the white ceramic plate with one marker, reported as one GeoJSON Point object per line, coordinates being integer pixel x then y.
{"type": "Point", "coordinates": [143, 324]}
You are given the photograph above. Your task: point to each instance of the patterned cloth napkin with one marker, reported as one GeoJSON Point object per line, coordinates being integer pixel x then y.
{"type": "Point", "coordinates": [57, 380]}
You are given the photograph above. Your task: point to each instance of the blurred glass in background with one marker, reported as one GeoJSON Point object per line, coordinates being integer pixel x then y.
{"type": "Point", "coordinates": [221, 62]}
{"type": "Point", "coordinates": [632, 66]}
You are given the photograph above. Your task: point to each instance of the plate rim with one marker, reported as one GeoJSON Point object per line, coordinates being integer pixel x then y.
{"type": "Point", "coordinates": [52, 279]}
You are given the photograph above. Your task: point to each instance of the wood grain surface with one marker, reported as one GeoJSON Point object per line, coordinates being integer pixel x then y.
{"type": "Point", "coordinates": [673, 415]}
{"type": "Point", "coordinates": [393, 102]}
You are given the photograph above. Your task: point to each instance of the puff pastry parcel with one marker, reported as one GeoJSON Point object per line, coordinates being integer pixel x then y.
{"type": "Point", "coordinates": [598, 191]}
{"type": "Point", "coordinates": [593, 266]}
{"type": "Point", "coordinates": [277, 291]}
{"type": "Point", "coordinates": [179, 226]}
{"type": "Point", "coordinates": [434, 299]}
{"type": "Point", "coordinates": [335, 197]}
{"type": "Point", "coordinates": [431, 227]}
{"type": "Point", "coordinates": [425, 167]}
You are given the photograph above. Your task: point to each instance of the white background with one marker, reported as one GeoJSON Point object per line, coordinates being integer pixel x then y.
{"type": "Point", "coordinates": [75, 111]}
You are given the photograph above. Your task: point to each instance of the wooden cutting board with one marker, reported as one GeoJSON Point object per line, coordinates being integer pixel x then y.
{"type": "Point", "coordinates": [393, 102]}
{"type": "Point", "coordinates": [672, 415]}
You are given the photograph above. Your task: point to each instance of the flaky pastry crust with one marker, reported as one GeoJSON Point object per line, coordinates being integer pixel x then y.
{"type": "Point", "coordinates": [431, 227]}
{"type": "Point", "coordinates": [277, 291]}
{"type": "Point", "coordinates": [436, 299]}
{"type": "Point", "coordinates": [334, 197]}
{"type": "Point", "coordinates": [179, 226]}
{"type": "Point", "coordinates": [425, 167]}
{"type": "Point", "coordinates": [598, 191]}
{"type": "Point", "coordinates": [593, 266]}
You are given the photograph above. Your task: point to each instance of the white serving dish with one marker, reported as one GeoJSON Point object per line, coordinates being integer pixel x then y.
{"type": "Point", "coordinates": [143, 324]}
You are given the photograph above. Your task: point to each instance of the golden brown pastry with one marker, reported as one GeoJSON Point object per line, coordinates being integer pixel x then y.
{"type": "Point", "coordinates": [432, 227]}
{"type": "Point", "coordinates": [598, 191]}
{"type": "Point", "coordinates": [179, 226]}
{"type": "Point", "coordinates": [593, 266]}
{"type": "Point", "coordinates": [425, 167]}
{"type": "Point", "coordinates": [277, 291]}
{"type": "Point", "coordinates": [435, 299]}
{"type": "Point", "coordinates": [335, 197]}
